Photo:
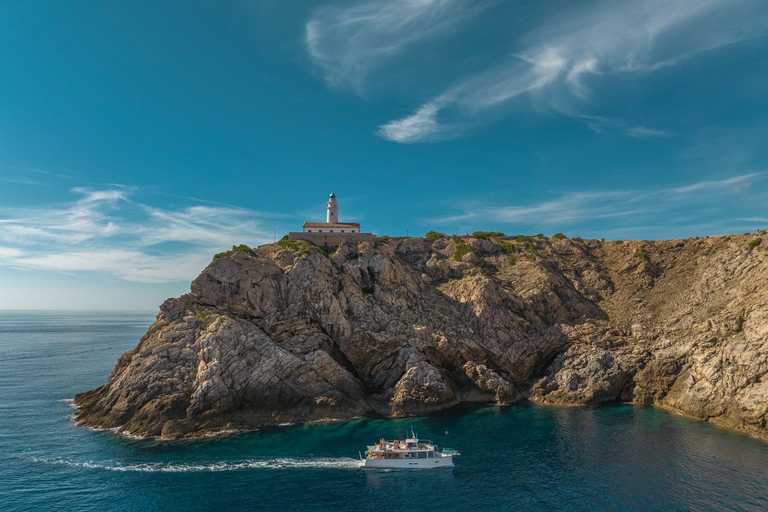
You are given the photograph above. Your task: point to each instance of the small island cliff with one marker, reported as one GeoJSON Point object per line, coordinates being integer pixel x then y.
{"type": "Point", "coordinates": [289, 332]}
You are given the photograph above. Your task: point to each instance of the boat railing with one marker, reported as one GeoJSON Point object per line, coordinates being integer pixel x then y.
{"type": "Point", "coordinates": [450, 451]}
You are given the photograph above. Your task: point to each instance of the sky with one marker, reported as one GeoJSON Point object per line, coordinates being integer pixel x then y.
{"type": "Point", "coordinates": [137, 139]}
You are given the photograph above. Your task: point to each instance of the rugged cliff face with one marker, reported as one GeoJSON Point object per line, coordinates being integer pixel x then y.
{"type": "Point", "coordinates": [400, 327]}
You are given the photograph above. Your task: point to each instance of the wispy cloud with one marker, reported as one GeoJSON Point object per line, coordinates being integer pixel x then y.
{"type": "Point", "coordinates": [348, 42]}
{"type": "Point", "coordinates": [107, 231]}
{"type": "Point", "coordinates": [556, 62]}
{"type": "Point", "coordinates": [22, 168]}
{"type": "Point", "coordinates": [599, 124]}
{"type": "Point", "coordinates": [718, 204]}
{"type": "Point", "coordinates": [21, 181]}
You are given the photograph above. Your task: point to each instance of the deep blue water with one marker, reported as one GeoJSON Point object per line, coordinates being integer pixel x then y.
{"type": "Point", "coordinates": [517, 458]}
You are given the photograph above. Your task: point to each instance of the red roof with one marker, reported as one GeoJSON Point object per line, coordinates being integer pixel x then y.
{"type": "Point", "coordinates": [331, 225]}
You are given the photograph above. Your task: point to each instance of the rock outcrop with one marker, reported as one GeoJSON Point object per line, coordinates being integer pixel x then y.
{"type": "Point", "coordinates": [287, 333]}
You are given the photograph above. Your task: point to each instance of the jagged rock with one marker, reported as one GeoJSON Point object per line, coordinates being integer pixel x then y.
{"type": "Point", "coordinates": [587, 374]}
{"type": "Point", "coordinates": [399, 327]}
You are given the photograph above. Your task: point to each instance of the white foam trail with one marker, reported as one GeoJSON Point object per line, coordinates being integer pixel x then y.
{"type": "Point", "coordinates": [69, 401]}
{"type": "Point", "coordinates": [156, 467]}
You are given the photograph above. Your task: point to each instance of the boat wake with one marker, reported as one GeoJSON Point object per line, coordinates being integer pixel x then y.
{"type": "Point", "coordinates": [163, 467]}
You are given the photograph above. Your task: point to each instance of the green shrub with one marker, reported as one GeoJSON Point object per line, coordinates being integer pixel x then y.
{"type": "Point", "coordinates": [456, 239]}
{"type": "Point", "coordinates": [235, 248]}
{"type": "Point", "coordinates": [508, 247]}
{"type": "Point", "coordinates": [301, 245]}
{"type": "Point", "coordinates": [559, 236]}
{"type": "Point", "coordinates": [532, 249]}
{"type": "Point", "coordinates": [530, 256]}
{"type": "Point", "coordinates": [381, 241]}
{"type": "Point", "coordinates": [435, 234]}
{"type": "Point", "coordinates": [461, 250]}
{"type": "Point", "coordinates": [290, 244]}
{"type": "Point", "coordinates": [485, 235]}
{"type": "Point", "coordinates": [754, 243]}
{"type": "Point", "coordinates": [640, 255]}
{"type": "Point", "coordinates": [512, 259]}
{"type": "Point", "coordinates": [308, 248]}
{"type": "Point", "coordinates": [540, 235]}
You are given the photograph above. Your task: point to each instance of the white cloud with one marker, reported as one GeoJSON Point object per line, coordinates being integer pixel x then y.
{"type": "Point", "coordinates": [21, 181]}
{"type": "Point", "coordinates": [106, 231]}
{"type": "Point", "coordinates": [347, 42]}
{"type": "Point", "coordinates": [559, 58]}
{"type": "Point", "coordinates": [624, 212]}
{"type": "Point", "coordinates": [599, 124]}
{"type": "Point", "coordinates": [415, 128]}
{"type": "Point", "coordinates": [10, 252]}
{"type": "Point", "coordinates": [82, 220]}
{"type": "Point", "coordinates": [128, 265]}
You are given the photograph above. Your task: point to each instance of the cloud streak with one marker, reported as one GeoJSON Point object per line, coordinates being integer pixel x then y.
{"type": "Point", "coordinates": [718, 204]}
{"type": "Point", "coordinates": [557, 61]}
{"type": "Point", "coordinates": [107, 231]}
{"type": "Point", "coordinates": [349, 42]}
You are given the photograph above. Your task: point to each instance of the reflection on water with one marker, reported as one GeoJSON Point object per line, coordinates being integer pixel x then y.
{"type": "Point", "coordinates": [516, 458]}
{"type": "Point", "coordinates": [385, 479]}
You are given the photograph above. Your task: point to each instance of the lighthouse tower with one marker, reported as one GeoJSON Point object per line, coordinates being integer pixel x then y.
{"type": "Point", "coordinates": [333, 210]}
{"type": "Point", "coordinates": [331, 225]}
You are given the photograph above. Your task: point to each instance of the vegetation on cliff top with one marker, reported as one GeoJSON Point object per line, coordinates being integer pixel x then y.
{"type": "Point", "coordinates": [461, 250]}
{"type": "Point", "coordinates": [508, 247]}
{"type": "Point", "coordinates": [235, 248]}
{"type": "Point", "coordinates": [485, 235]}
{"type": "Point", "coordinates": [301, 245]}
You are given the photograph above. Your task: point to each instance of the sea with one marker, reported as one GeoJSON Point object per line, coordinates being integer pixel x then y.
{"type": "Point", "coordinates": [518, 458]}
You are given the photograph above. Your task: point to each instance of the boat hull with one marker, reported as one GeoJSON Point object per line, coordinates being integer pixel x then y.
{"type": "Point", "coordinates": [441, 462]}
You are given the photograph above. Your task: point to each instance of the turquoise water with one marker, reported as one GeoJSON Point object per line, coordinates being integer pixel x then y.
{"type": "Point", "coordinates": [517, 458]}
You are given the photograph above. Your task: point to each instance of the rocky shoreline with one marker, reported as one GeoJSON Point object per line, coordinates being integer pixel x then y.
{"type": "Point", "coordinates": [288, 333]}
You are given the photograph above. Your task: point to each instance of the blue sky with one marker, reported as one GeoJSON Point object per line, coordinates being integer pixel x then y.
{"type": "Point", "coordinates": [139, 138]}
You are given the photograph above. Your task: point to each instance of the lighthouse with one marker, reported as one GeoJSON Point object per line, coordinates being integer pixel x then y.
{"type": "Point", "coordinates": [332, 217]}
{"type": "Point", "coordinates": [332, 233]}
{"type": "Point", "coordinates": [332, 224]}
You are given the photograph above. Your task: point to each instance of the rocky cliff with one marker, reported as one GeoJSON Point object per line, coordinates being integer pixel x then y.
{"type": "Point", "coordinates": [397, 327]}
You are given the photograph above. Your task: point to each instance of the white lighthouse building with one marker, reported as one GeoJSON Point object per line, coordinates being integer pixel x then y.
{"type": "Point", "coordinates": [332, 233]}
{"type": "Point", "coordinates": [332, 224]}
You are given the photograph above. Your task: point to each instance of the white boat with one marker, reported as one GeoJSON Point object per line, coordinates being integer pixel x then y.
{"type": "Point", "coordinates": [407, 454]}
